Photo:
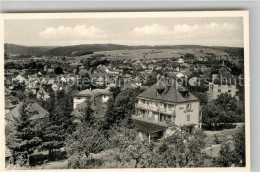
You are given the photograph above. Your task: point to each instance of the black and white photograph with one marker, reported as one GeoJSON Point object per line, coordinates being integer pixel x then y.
{"type": "Point", "coordinates": [125, 90]}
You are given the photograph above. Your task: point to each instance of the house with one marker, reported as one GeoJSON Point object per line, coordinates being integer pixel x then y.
{"type": "Point", "coordinates": [223, 82]}
{"type": "Point", "coordinates": [164, 105]}
{"type": "Point", "coordinates": [91, 95]}
{"type": "Point", "coordinates": [129, 84]}
{"type": "Point", "coordinates": [35, 109]}
{"type": "Point", "coordinates": [97, 106]}
{"type": "Point", "coordinates": [137, 81]}
{"type": "Point", "coordinates": [97, 98]}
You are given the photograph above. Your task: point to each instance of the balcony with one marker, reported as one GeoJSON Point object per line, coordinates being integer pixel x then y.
{"type": "Point", "coordinates": [155, 109]}
{"type": "Point", "coordinates": [153, 121]}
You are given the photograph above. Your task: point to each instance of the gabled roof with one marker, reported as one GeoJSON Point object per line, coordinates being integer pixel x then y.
{"type": "Point", "coordinates": [95, 92]}
{"type": "Point", "coordinates": [85, 93]}
{"type": "Point", "coordinates": [33, 107]}
{"type": "Point", "coordinates": [137, 80]}
{"type": "Point", "coordinates": [98, 92]}
{"type": "Point", "coordinates": [169, 93]}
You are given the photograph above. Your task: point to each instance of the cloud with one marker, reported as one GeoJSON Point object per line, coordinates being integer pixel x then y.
{"type": "Point", "coordinates": [77, 32]}
{"type": "Point", "coordinates": [186, 30]}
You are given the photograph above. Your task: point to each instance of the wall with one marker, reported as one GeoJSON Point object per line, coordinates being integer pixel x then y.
{"type": "Point", "coordinates": [182, 112]}
{"type": "Point", "coordinates": [77, 101]}
{"type": "Point", "coordinates": [213, 92]}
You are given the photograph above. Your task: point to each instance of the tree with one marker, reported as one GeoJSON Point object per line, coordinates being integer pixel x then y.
{"type": "Point", "coordinates": [122, 107]}
{"type": "Point", "coordinates": [151, 80]}
{"type": "Point", "coordinates": [58, 71]}
{"type": "Point", "coordinates": [181, 150]}
{"type": "Point", "coordinates": [24, 140]}
{"type": "Point", "coordinates": [88, 118]}
{"type": "Point", "coordinates": [59, 123]}
{"type": "Point", "coordinates": [232, 157]}
{"type": "Point", "coordinates": [203, 98]}
{"type": "Point", "coordinates": [85, 140]}
{"type": "Point", "coordinates": [229, 104]}
{"type": "Point", "coordinates": [222, 111]}
{"type": "Point", "coordinates": [115, 91]}
{"type": "Point", "coordinates": [211, 115]}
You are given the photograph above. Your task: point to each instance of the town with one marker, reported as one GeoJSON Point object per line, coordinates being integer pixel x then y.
{"type": "Point", "coordinates": [113, 106]}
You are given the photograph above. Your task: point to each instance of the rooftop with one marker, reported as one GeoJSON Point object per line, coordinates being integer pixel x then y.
{"type": "Point", "coordinates": [148, 127]}
{"type": "Point", "coordinates": [168, 92]}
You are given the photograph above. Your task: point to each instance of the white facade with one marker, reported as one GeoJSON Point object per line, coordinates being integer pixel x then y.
{"type": "Point", "coordinates": [78, 100]}
{"type": "Point", "coordinates": [215, 90]}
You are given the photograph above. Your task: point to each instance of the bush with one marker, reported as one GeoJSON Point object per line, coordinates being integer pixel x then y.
{"type": "Point", "coordinates": [38, 159]}
{"type": "Point", "coordinates": [78, 161]}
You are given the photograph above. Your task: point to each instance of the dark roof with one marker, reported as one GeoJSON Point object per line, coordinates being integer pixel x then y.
{"type": "Point", "coordinates": [95, 92]}
{"type": "Point", "coordinates": [148, 127]}
{"type": "Point", "coordinates": [32, 107]}
{"type": "Point", "coordinates": [169, 93]}
{"type": "Point", "coordinates": [224, 76]}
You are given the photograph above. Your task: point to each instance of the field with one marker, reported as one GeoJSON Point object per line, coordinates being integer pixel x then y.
{"type": "Point", "coordinates": [223, 136]}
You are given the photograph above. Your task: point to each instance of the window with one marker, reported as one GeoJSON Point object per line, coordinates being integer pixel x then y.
{"type": "Point", "coordinates": [169, 118]}
{"type": "Point", "coordinates": [219, 90]}
{"type": "Point", "coordinates": [188, 117]}
{"type": "Point", "coordinates": [188, 106]}
{"type": "Point", "coordinates": [229, 91]}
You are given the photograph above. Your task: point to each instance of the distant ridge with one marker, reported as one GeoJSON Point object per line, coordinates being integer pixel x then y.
{"type": "Point", "coordinates": [19, 49]}
{"type": "Point", "coordinates": [70, 50]}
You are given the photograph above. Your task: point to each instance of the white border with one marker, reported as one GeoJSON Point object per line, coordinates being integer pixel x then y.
{"type": "Point", "coordinates": [244, 14]}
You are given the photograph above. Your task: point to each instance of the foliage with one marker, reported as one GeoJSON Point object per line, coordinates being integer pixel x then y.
{"type": "Point", "coordinates": [53, 130]}
{"type": "Point", "coordinates": [211, 116]}
{"type": "Point", "coordinates": [85, 140]}
{"type": "Point", "coordinates": [203, 97]}
{"type": "Point", "coordinates": [24, 139]}
{"type": "Point", "coordinates": [122, 107]}
{"type": "Point", "coordinates": [221, 111]}
{"type": "Point", "coordinates": [150, 80]}
{"type": "Point", "coordinates": [181, 150]}
{"type": "Point", "coordinates": [232, 157]}
{"type": "Point", "coordinates": [58, 71]}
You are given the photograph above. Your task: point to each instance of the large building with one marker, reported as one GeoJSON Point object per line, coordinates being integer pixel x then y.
{"type": "Point", "coordinates": [223, 82]}
{"type": "Point", "coordinates": [165, 105]}
{"type": "Point", "coordinates": [91, 95]}
{"type": "Point", "coordinates": [97, 98]}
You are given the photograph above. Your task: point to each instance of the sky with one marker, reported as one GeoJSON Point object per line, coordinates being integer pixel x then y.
{"type": "Point", "coordinates": [209, 31]}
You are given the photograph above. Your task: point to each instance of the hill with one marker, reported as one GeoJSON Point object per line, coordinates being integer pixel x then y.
{"type": "Point", "coordinates": [82, 49]}
{"type": "Point", "coordinates": [70, 50]}
{"type": "Point", "coordinates": [19, 49]}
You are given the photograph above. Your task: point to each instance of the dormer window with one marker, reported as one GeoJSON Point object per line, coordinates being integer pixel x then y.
{"type": "Point", "coordinates": [184, 91]}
